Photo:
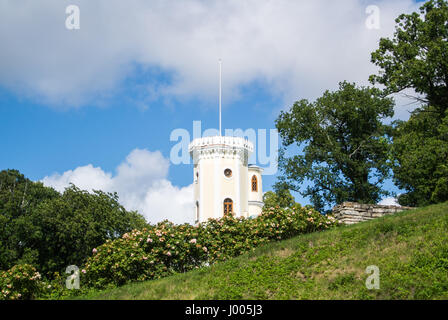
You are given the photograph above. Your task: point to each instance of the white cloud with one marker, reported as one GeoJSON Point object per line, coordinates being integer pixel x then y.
{"type": "Point", "coordinates": [86, 178]}
{"type": "Point", "coordinates": [170, 202]}
{"type": "Point", "coordinates": [389, 202]}
{"type": "Point", "coordinates": [141, 182]}
{"type": "Point", "coordinates": [296, 48]}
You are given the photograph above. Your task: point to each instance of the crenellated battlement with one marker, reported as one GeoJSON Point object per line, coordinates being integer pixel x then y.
{"type": "Point", "coordinates": [221, 141]}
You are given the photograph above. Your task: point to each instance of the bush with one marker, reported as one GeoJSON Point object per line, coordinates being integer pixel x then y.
{"type": "Point", "coordinates": [151, 253]}
{"type": "Point", "coordinates": [228, 237]}
{"type": "Point", "coordinates": [164, 249]}
{"type": "Point", "coordinates": [278, 224]}
{"type": "Point", "coordinates": [21, 282]}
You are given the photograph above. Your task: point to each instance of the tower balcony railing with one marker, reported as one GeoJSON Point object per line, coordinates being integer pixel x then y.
{"type": "Point", "coordinates": [221, 141]}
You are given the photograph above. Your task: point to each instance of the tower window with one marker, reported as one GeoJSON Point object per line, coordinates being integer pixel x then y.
{"type": "Point", "coordinates": [254, 183]}
{"type": "Point", "coordinates": [228, 173]}
{"type": "Point", "coordinates": [228, 206]}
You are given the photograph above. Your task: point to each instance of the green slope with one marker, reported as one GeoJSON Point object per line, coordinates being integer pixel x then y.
{"type": "Point", "coordinates": [410, 249]}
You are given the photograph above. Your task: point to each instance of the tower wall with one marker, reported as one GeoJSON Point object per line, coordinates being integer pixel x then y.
{"type": "Point", "coordinates": [211, 157]}
{"type": "Point", "coordinates": [255, 198]}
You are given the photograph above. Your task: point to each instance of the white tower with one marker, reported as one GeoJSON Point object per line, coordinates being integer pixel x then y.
{"type": "Point", "coordinates": [224, 183]}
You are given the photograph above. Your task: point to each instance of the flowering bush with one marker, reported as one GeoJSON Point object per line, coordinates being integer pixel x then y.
{"type": "Point", "coordinates": [277, 224]}
{"type": "Point", "coordinates": [229, 237]}
{"type": "Point", "coordinates": [165, 248]}
{"type": "Point", "coordinates": [146, 254]}
{"type": "Point", "coordinates": [20, 282]}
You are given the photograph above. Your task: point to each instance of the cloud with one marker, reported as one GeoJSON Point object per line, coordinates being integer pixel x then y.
{"type": "Point", "coordinates": [141, 182]}
{"type": "Point", "coordinates": [86, 178]}
{"type": "Point", "coordinates": [389, 202]}
{"type": "Point", "coordinates": [294, 48]}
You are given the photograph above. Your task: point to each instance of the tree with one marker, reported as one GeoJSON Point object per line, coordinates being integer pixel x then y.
{"type": "Point", "coordinates": [343, 146]}
{"type": "Point", "coordinates": [417, 55]}
{"type": "Point", "coordinates": [50, 230]}
{"type": "Point", "coordinates": [281, 196]}
{"type": "Point", "coordinates": [18, 197]}
{"type": "Point", "coordinates": [420, 150]}
{"type": "Point", "coordinates": [417, 58]}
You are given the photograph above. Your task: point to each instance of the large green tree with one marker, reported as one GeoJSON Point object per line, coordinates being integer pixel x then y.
{"type": "Point", "coordinates": [420, 150]}
{"type": "Point", "coordinates": [50, 230]}
{"type": "Point", "coordinates": [341, 145]}
{"type": "Point", "coordinates": [416, 58]}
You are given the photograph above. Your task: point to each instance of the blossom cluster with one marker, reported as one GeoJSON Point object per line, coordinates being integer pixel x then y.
{"type": "Point", "coordinates": [20, 282]}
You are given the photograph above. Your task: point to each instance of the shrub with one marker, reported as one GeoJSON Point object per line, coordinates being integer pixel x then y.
{"type": "Point", "coordinates": [20, 282]}
{"type": "Point", "coordinates": [164, 249]}
{"type": "Point", "coordinates": [151, 253]}
{"type": "Point", "coordinates": [279, 224]}
{"type": "Point", "coordinates": [228, 237]}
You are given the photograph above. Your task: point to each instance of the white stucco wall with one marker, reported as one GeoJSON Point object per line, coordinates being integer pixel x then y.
{"type": "Point", "coordinates": [255, 198]}
{"type": "Point", "coordinates": [213, 155]}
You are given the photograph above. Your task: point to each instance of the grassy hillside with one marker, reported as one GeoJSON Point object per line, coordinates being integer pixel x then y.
{"type": "Point", "coordinates": [410, 249]}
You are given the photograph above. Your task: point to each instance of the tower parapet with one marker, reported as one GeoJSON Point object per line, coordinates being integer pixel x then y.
{"type": "Point", "coordinates": [221, 147]}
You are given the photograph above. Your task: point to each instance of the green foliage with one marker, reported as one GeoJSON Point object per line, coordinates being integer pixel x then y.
{"type": "Point", "coordinates": [410, 249]}
{"type": "Point", "coordinates": [18, 198]}
{"type": "Point", "coordinates": [420, 150]}
{"type": "Point", "coordinates": [281, 196]}
{"type": "Point", "coordinates": [341, 281]}
{"type": "Point", "coordinates": [153, 252]}
{"type": "Point", "coordinates": [164, 249]}
{"type": "Point", "coordinates": [345, 146]}
{"type": "Point", "coordinates": [50, 231]}
{"type": "Point", "coordinates": [416, 57]}
{"type": "Point", "coordinates": [21, 282]}
{"type": "Point", "coordinates": [229, 237]}
{"type": "Point", "coordinates": [77, 222]}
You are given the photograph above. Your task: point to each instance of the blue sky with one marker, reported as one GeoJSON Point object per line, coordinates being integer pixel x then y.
{"type": "Point", "coordinates": [40, 140]}
{"type": "Point", "coordinates": [136, 71]}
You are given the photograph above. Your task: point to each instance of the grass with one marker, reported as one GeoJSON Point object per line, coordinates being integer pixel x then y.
{"type": "Point", "coordinates": [409, 248]}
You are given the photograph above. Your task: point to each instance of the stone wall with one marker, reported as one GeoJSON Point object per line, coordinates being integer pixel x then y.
{"type": "Point", "coordinates": [353, 212]}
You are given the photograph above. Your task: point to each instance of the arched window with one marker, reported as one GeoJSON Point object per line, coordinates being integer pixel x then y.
{"type": "Point", "coordinates": [228, 206]}
{"type": "Point", "coordinates": [254, 183]}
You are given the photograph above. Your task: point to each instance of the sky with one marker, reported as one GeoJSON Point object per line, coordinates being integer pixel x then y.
{"type": "Point", "coordinates": [96, 106]}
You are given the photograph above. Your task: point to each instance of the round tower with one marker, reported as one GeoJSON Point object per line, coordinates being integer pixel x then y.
{"type": "Point", "coordinates": [255, 190]}
{"type": "Point", "coordinates": [221, 177]}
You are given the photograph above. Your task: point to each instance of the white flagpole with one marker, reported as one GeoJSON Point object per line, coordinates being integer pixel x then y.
{"type": "Point", "coordinates": [220, 93]}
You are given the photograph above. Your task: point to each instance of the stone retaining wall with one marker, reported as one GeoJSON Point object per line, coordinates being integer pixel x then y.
{"type": "Point", "coordinates": [353, 212]}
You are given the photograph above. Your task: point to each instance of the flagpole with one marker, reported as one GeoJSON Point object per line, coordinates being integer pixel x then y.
{"type": "Point", "coordinates": [220, 93]}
